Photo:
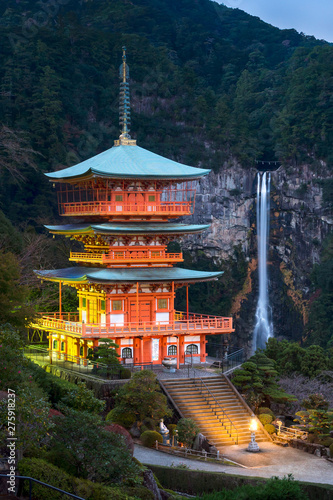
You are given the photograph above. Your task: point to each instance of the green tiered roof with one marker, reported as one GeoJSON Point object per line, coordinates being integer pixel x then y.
{"type": "Point", "coordinates": [128, 162]}
{"type": "Point", "coordinates": [131, 228]}
{"type": "Point", "coordinates": [126, 275]}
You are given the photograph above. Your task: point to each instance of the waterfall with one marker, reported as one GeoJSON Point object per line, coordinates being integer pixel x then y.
{"type": "Point", "coordinates": [264, 327]}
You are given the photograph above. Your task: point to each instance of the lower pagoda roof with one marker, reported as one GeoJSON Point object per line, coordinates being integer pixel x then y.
{"type": "Point", "coordinates": [126, 275]}
{"type": "Point", "coordinates": [130, 228]}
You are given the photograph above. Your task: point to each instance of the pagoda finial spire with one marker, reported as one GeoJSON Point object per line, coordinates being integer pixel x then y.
{"type": "Point", "coordinates": [124, 104]}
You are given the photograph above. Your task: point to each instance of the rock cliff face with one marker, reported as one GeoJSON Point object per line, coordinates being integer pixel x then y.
{"type": "Point", "coordinates": [299, 221]}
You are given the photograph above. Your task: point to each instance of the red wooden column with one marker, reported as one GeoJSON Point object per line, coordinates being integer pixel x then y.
{"type": "Point", "coordinates": [77, 345]}
{"type": "Point", "coordinates": [164, 347]}
{"type": "Point", "coordinates": [203, 353]}
{"type": "Point", "coordinates": [136, 350]}
{"type": "Point", "coordinates": [178, 353]}
{"type": "Point", "coordinates": [181, 349]}
{"type": "Point", "coordinates": [118, 349]}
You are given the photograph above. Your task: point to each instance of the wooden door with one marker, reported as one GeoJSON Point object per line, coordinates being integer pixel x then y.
{"type": "Point", "coordinates": [93, 310]}
{"type": "Point", "coordinates": [144, 311]}
{"type": "Point", "coordinates": [136, 202]}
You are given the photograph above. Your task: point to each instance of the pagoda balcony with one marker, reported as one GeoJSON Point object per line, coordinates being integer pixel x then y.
{"type": "Point", "coordinates": [193, 324]}
{"type": "Point", "coordinates": [128, 257]}
{"type": "Point", "coordinates": [109, 209]}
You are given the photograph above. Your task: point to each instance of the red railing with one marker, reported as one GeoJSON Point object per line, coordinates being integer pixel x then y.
{"type": "Point", "coordinates": [124, 256]}
{"type": "Point", "coordinates": [172, 208]}
{"type": "Point", "coordinates": [197, 323]}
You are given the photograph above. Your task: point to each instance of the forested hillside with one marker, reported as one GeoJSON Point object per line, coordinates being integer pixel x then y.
{"type": "Point", "coordinates": [208, 84]}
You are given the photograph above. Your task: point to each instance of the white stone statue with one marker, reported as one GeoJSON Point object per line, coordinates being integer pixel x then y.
{"type": "Point", "coordinates": [163, 427]}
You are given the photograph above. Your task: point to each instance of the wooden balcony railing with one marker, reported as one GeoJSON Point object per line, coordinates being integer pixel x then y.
{"type": "Point", "coordinates": [120, 257]}
{"type": "Point", "coordinates": [169, 208]}
{"type": "Point", "coordinates": [196, 324]}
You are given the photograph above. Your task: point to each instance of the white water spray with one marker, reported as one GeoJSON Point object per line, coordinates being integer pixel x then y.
{"type": "Point", "coordinates": [264, 327]}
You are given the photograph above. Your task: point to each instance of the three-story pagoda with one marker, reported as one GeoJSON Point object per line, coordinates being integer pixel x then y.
{"type": "Point", "coordinates": [125, 201]}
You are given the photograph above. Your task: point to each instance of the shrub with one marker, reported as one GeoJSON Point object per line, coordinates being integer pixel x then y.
{"type": "Point", "coordinates": [273, 489]}
{"type": "Point", "coordinates": [187, 431]}
{"type": "Point", "coordinates": [315, 402]}
{"type": "Point", "coordinates": [83, 399]}
{"type": "Point", "coordinates": [149, 438]}
{"type": "Point", "coordinates": [270, 428]}
{"type": "Point", "coordinates": [327, 441]}
{"type": "Point", "coordinates": [172, 428]}
{"type": "Point", "coordinates": [150, 423]}
{"type": "Point", "coordinates": [50, 474]}
{"type": "Point", "coordinates": [125, 419]}
{"type": "Point", "coordinates": [267, 411]}
{"type": "Point", "coordinates": [125, 373]}
{"type": "Point", "coordinates": [265, 418]}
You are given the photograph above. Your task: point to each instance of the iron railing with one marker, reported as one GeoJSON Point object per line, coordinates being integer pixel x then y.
{"type": "Point", "coordinates": [215, 406]}
{"type": "Point", "coordinates": [31, 479]}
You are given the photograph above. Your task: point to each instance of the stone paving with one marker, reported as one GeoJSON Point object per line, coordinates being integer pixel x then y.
{"type": "Point", "coordinates": [272, 460]}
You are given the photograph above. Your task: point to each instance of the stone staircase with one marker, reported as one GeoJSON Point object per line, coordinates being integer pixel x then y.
{"type": "Point", "coordinates": [216, 406]}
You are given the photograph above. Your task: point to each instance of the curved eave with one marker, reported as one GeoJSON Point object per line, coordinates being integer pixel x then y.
{"type": "Point", "coordinates": [128, 162]}
{"type": "Point", "coordinates": [86, 275]}
{"type": "Point", "coordinates": [134, 229]}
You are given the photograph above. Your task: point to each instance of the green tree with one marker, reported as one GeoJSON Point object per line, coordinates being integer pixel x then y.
{"type": "Point", "coordinates": [91, 451]}
{"type": "Point", "coordinates": [32, 422]}
{"type": "Point", "coordinates": [187, 431]}
{"type": "Point", "coordinates": [83, 399]}
{"type": "Point", "coordinates": [142, 397]}
{"type": "Point", "coordinates": [257, 379]}
{"type": "Point", "coordinates": [13, 296]}
{"type": "Point", "coordinates": [11, 358]}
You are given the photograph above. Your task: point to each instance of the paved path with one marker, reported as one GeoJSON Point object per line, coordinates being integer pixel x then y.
{"type": "Point", "coordinates": [273, 460]}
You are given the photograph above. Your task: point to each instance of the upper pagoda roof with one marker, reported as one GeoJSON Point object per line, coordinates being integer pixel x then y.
{"type": "Point", "coordinates": [128, 162]}
{"type": "Point", "coordinates": [126, 275]}
{"type": "Point", "coordinates": [128, 228]}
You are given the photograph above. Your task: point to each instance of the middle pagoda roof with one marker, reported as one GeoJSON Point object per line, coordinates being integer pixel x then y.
{"type": "Point", "coordinates": [128, 162]}
{"type": "Point", "coordinates": [97, 275]}
{"type": "Point", "coordinates": [131, 228]}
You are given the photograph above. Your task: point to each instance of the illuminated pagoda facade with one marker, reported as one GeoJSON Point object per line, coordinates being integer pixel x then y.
{"type": "Point", "coordinates": [125, 201]}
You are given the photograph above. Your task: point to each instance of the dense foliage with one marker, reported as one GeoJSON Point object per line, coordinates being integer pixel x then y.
{"type": "Point", "coordinates": [291, 358]}
{"type": "Point", "coordinates": [274, 489]}
{"type": "Point", "coordinates": [320, 325]}
{"type": "Point", "coordinates": [257, 379]}
{"type": "Point", "coordinates": [141, 397]}
{"type": "Point", "coordinates": [208, 74]}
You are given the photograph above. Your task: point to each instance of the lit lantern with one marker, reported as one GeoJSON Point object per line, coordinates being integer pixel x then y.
{"type": "Point", "coordinates": [253, 445]}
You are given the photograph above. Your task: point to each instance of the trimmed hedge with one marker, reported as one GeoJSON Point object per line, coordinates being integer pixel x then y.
{"type": "Point", "coordinates": [50, 474]}
{"type": "Point", "coordinates": [124, 419]}
{"type": "Point", "coordinates": [265, 418]}
{"type": "Point", "coordinates": [267, 411]}
{"type": "Point", "coordinates": [196, 482]}
{"type": "Point", "coordinates": [270, 428]}
{"type": "Point", "coordinates": [149, 438]}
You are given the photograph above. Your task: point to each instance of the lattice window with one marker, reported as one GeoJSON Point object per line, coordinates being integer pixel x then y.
{"type": "Point", "coordinates": [126, 352]}
{"type": "Point", "coordinates": [172, 350]}
{"type": "Point", "coordinates": [192, 349]}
